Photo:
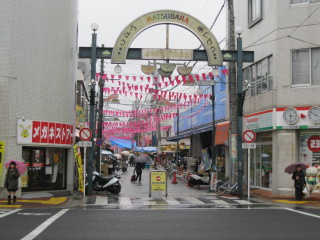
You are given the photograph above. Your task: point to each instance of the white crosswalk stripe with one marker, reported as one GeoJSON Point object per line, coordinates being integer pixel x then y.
{"type": "Point", "coordinates": [125, 201]}
{"type": "Point", "coordinates": [145, 201]}
{"type": "Point", "coordinates": [101, 201]}
{"type": "Point", "coordinates": [193, 200]}
{"type": "Point", "coordinates": [171, 201]}
{"type": "Point", "coordinates": [221, 202]}
{"type": "Point", "coordinates": [243, 202]}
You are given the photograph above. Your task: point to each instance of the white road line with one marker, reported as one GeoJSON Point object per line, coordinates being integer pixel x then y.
{"type": "Point", "coordinates": [101, 200]}
{"type": "Point", "coordinates": [171, 201]}
{"type": "Point", "coordinates": [233, 198]}
{"type": "Point", "coordinates": [243, 202]}
{"type": "Point", "coordinates": [125, 201]}
{"type": "Point", "coordinates": [44, 225]}
{"type": "Point", "coordinates": [9, 213]}
{"type": "Point", "coordinates": [220, 202]}
{"type": "Point", "coordinates": [304, 213]}
{"type": "Point", "coordinates": [193, 200]}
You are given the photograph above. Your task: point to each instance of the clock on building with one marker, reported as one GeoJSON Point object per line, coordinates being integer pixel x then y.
{"type": "Point", "coordinates": [314, 115]}
{"type": "Point", "coordinates": [290, 115]}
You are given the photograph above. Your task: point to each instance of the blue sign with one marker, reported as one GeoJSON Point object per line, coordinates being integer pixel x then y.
{"type": "Point", "coordinates": [202, 113]}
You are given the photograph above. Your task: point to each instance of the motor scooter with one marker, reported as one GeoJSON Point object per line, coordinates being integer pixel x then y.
{"type": "Point", "coordinates": [198, 179]}
{"type": "Point", "coordinates": [110, 184]}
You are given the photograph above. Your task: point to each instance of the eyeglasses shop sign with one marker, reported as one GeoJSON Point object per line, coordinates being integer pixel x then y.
{"type": "Point", "coordinates": [38, 132]}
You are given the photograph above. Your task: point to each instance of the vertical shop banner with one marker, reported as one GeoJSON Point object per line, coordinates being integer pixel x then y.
{"type": "Point", "coordinates": [79, 165]}
{"type": "Point", "coordinates": [2, 146]}
{"type": "Point", "coordinates": [34, 132]}
{"type": "Point", "coordinates": [44, 132]}
{"type": "Point", "coordinates": [206, 158]}
{"type": "Point", "coordinates": [233, 145]}
{"type": "Point", "coordinates": [36, 127]}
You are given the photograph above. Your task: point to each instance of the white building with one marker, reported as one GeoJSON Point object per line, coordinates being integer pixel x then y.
{"type": "Point", "coordinates": [38, 46]}
{"type": "Point", "coordinates": [285, 80]}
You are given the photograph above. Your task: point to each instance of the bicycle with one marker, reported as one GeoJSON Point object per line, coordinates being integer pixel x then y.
{"type": "Point", "coordinates": [224, 186]}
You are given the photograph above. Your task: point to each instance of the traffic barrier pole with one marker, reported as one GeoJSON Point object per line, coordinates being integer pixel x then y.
{"type": "Point", "coordinates": [174, 180]}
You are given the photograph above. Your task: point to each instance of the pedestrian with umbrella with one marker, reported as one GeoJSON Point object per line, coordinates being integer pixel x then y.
{"type": "Point", "coordinates": [299, 179]}
{"type": "Point", "coordinates": [11, 180]}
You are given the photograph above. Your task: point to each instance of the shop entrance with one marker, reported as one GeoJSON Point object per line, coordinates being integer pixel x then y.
{"type": "Point", "coordinates": [45, 169]}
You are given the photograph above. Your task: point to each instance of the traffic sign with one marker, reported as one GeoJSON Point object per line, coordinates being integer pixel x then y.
{"type": "Point", "coordinates": [249, 136]}
{"type": "Point", "coordinates": [99, 142]}
{"type": "Point", "coordinates": [85, 134]}
{"type": "Point", "coordinates": [85, 144]}
{"type": "Point", "coordinates": [158, 178]}
{"type": "Point", "coordinates": [249, 145]}
{"type": "Point", "coordinates": [314, 143]}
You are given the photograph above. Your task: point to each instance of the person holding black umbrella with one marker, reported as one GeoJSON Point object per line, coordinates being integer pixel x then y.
{"type": "Point", "coordinates": [138, 170]}
{"type": "Point", "coordinates": [299, 182]}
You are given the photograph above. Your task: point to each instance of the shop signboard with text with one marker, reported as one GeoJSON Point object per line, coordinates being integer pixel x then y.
{"type": "Point", "coordinates": [40, 132]}
{"type": "Point", "coordinates": [260, 121]}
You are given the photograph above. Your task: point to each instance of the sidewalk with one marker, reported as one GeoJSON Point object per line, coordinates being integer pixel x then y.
{"type": "Point", "coordinates": [313, 201]}
{"type": "Point", "coordinates": [35, 202]}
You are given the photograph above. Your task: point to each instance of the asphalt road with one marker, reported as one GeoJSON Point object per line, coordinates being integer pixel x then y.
{"type": "Point", "coordinates": [266, 223]}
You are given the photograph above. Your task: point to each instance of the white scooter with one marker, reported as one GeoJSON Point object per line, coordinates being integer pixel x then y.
{"type": "Point", "coordinates": [198, 179]}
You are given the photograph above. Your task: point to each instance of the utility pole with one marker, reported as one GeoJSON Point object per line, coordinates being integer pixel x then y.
{"type": "Point", "coordinates": [232, 95]}
{"type": "Point", "coordinates": [100, 110]}
{"type": "Point", "coordinates": [92, 105]}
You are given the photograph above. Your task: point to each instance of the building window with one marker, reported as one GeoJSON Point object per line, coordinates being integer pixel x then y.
{"type": "Point", "coordinates": [304, 73]}
{"type": "Point", "coordinates": [260, 76]}
{"type": "Point", "coordinates": [255, 11]}
{"type": "Point", "coordinates": [296, 2]}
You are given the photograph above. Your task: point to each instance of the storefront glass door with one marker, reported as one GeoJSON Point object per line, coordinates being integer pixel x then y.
{"type": "Point", "coordinates": [263, 166]}
{"type": "Point", "coordinates": [46, 168]}
{"type": "Point", "coordinates": [34, 160]}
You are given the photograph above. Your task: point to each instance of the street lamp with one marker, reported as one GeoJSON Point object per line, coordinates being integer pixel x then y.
{"type": "Point", "coordinates": [94, 27]}
{"type": "Point", "coordinates": [240, 102]}
{"type": "Point", "coordinates": [118, 69]}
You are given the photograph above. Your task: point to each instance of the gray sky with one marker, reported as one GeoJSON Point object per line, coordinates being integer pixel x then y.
{"type": "Point", "coordinates": [113, 16]}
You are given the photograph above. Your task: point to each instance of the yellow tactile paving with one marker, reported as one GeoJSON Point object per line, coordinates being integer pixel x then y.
{"type": "Point", "coordinates": [10, 206]}
{"type": "Point", "coordinates": [51, 201]}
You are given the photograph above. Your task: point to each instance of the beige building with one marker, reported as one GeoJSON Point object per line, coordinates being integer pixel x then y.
{"type": "Point", "coordinates": [282, 105]}
{"type": "Point", "coordinates": [38, 46]}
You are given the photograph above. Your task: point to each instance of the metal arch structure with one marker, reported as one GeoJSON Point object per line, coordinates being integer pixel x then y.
{"type": "Point", "coordinates": [193, 25]}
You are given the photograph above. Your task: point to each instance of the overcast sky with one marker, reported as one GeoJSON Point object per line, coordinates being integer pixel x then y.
{"type": "Point", "coordinates": [113, 16]}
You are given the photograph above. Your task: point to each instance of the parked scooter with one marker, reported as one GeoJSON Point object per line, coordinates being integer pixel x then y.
{"type": "Point", "coordinates": [109, 184]}
{"type": "Point", "coordinates": [198, 179]}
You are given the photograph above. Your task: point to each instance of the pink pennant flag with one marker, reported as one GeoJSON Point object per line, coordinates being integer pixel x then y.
{"type": "Point", "coordinates": [198, 77]}
{"type": "Point", "coordinates": [191, 78]}
{"type": "Point", "coordinates": [141, 78]}
{"type": "Point", "coordinates": [211, 75]}
{"type": "Point", "coordinates": [127, 78]}
{"type": "Point", "coordinates": [204, 76]}
{"type": "Point", "coordinates": [149, 79]}
{"type": "Point", "coordinates": [119, 76]}
{"type": "Point", "coordinates": [97, 75]}
{"type": "Point", "coordinates": [112, 76]}
{"type": "Point", "coordinates": [184, 79]}
{"type": "Point", "coordinates": [134, 78]}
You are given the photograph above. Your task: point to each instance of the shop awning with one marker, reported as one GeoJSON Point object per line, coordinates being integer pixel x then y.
{"type": "Point", "coordinates": [181, 136]}
{"type": "Point", "coordinates": [106, 152]}
{"type": "Point", "coordinates": [222, 133]}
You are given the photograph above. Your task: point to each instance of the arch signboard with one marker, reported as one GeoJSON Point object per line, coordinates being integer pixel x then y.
{"type": "Point", "coordinates": [151, 19]}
